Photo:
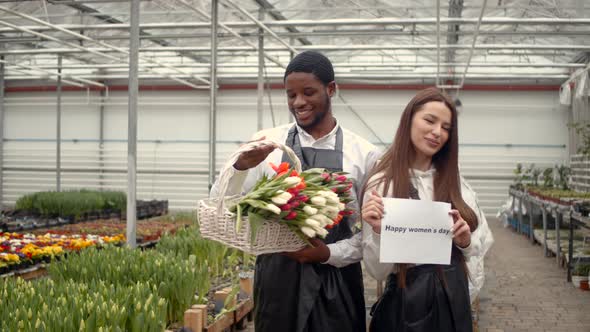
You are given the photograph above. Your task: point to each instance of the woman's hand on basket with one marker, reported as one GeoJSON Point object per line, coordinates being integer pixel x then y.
{"type": "Point", "coordinates": [373, 211]}
{"type": "Point", "coordinates": [251, 158]}
{"type": "Point", "coordinates": [319, 253]}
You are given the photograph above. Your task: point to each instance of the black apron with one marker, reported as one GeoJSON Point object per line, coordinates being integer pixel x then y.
{"type": "Point", "coordinates": [290, 296]}
{"type": "Point", "coordinates": [428, 302]}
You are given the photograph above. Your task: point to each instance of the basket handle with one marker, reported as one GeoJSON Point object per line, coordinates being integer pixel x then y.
{"type": "Point", "coordinates": [228, 169]}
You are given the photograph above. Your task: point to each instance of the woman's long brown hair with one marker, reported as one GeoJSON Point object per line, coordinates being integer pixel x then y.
{"type": "Point", "coordinates": [396, 163]}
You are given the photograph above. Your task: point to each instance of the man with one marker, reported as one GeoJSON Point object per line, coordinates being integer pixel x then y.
{"type": "Point", "coordinates": [293, 291]}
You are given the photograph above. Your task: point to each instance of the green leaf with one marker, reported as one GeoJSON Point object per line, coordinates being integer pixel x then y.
{"type": "Point", "coordinates": [256, 221]}
{"type": "Point", "coordinates": [315, 170]}
{"type": "Point", "coordinates": [255, 203]}
{"type": "Point", "coordinates": [231, 296]}
{"type": "Point", "coordinates": [238, 217]}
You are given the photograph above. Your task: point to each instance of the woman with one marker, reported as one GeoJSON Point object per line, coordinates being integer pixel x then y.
{"type": "Point", "coordinates": [422, 163]}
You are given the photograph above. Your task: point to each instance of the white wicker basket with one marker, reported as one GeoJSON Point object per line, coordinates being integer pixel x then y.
{"type": "Point", "coordinates": [219, 224]}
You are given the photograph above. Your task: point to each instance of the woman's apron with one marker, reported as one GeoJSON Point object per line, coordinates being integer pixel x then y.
{"type": "Point", "coordinates": [428, 302]}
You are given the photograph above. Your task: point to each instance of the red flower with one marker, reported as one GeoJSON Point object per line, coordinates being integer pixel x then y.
{"type": "Point", "coordinates": [285, 207]}
{"type": "Point", "coordinates": [341, 178]}
{"type": "Point", "coordinates": [292, 215]}
{"type": "Point", "coordinates": [281, 169]}
{"type": "Point", "coordinates": [346, 212]}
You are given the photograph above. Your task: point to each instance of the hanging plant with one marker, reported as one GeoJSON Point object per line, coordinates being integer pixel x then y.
{"type": "Point", "coordinates": [583, 131]}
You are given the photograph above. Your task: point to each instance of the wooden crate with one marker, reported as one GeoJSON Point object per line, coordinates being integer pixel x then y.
{"type": "Point", "coordinates": [224, 322]}
{"type": "Point", "coordinates": [243, 309]}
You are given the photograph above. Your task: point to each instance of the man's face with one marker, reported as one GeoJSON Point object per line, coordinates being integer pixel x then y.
{"type": "Point", "coordinates": [308, 98]}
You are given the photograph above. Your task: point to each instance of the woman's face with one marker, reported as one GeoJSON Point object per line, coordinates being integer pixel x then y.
{"type": "Point", "coordinates": [431, 126]}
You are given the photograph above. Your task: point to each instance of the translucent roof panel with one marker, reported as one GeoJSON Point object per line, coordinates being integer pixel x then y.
{"type": "Point", "coordinates": [448, 43]}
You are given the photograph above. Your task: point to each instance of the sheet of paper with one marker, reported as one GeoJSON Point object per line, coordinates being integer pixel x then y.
{"type": "Point", "coordinates": [416, 231]}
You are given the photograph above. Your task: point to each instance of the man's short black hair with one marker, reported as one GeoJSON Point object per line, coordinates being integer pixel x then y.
{"type": "Point", "coordinates": [311, 62]}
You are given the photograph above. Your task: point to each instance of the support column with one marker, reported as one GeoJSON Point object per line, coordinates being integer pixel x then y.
{"type": "Point", "coordinates": [213, 94]}
{"type": "Point", "coordinates": [531, 222]}
{"type": "Point", "coordinates": [260, 88]}
{"type": "Point", "coordinates": [1, 133]}
{"type": "Point", "coordinates": [101, 141]}
{"type": "Point", "coordinates": [520, 206]}
{"type": "Point", "coordinates": [557, 235]}
{"type": "Point", "coordinates": [545, 250]}
{"type": "Point", "coordinates": [570, 248]}
{"type": "Point", "coordinates": [132, 125]}
{"type": "Point", "coordinates": [58, 129]}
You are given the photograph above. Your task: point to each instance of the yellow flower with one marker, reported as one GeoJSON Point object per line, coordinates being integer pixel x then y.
{"type": "Point", "coordinates": [32, 249]}
{"type": "Point", "coordinates": [116, 238]}
{"type": "Point", "coordinates": [52, 250]}
{"type": "Point", "coordinates": [10, 258]}
{"type": "Point", "coordinates": [81, 243]}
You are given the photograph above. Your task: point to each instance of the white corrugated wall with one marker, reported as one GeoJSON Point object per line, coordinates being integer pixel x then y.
{"type": "Point", "coordinates": [497, 130]}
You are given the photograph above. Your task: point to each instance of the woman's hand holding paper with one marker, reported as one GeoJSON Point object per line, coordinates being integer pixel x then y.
{"type": "Point", "coordinates": [373, 211]}
{"type": "Point", "coordinates": [460, 230]}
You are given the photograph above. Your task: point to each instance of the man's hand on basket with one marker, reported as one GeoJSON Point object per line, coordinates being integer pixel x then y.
{"type": "Point", "coordinates": [319, 253]}
{"type": "Point", "coordinates": [253, 157]}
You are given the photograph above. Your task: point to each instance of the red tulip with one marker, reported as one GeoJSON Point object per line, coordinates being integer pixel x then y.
{"type": "Point", "coordinates": [341, 178]}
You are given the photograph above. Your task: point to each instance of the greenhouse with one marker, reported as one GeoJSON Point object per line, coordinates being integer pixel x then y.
{"type": "Point", "coordinates": [194, 165]}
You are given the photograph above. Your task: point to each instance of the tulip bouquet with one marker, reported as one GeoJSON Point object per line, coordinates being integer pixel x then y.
{"type": "Point", "coordinates": [310, 202]}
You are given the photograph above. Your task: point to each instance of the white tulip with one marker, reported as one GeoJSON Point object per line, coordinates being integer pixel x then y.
{"type": "Point", "coordinates": [310, 210]}
{"type": "Point", "coordinates": [341, 206]}
{"type": "Point", "coordinates": [324, 221]}
{"type": "Point", "coordinates": [279, 200]}
{"type": "Point", "coordinates": [308, 231]}
{"type": "Point", "coordinates": [330, 211]}
{"type": "Point", "coordinates": [284, 195]}
{"type": "Point", "coordinates": [318, 200]}
{"type": "Point", "coordinates": [272, 208]}
{"type": "Point", "coordinates": [327, 193]}
{"type": "Point", "coordinates": [312, 222]}
{"type": "Point", "coordinates": [292, 181]}
{"type": "Point", "coordinates": [322, 232]}
{"type": "Point", "coordinates": [333, 200]}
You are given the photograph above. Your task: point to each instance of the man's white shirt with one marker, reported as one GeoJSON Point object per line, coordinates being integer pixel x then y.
{"type": "Point", "coordinates": [359, 157]}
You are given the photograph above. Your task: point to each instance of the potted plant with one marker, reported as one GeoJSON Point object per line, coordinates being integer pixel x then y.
{"type": "Point", "coordinates": [535, 174]}
{"type": "Point", "coordinates": [518, 177]}
{"type": "Point", "coordinates": [580, 276]}
{"type": "Point", "coordinates": [548, 177]}
{"type": "Point", "coordinates": [563, 172]}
